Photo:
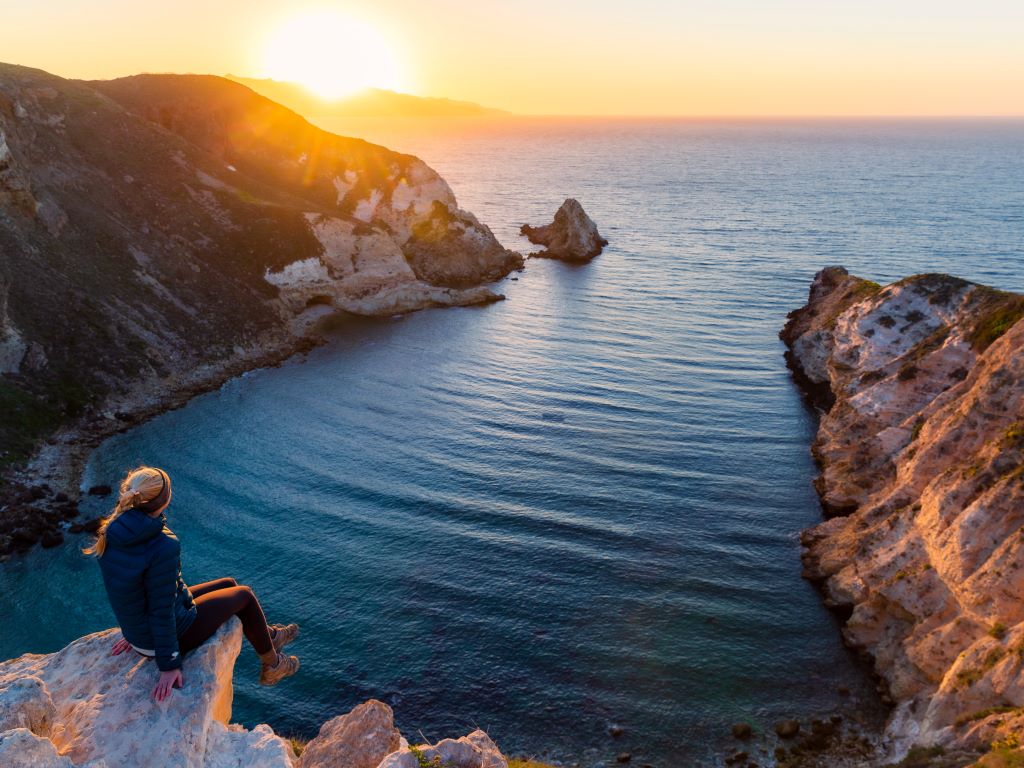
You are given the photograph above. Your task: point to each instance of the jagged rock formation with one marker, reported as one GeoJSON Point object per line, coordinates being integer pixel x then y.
{"type": "Point", "coordinates": [161, 233]}
{"type": "Point", "coordinates": [920, 446]}
{"type": "Point", "coordinates": [572, 236]}
{"type": "Point", "coordinates": [83, 708]}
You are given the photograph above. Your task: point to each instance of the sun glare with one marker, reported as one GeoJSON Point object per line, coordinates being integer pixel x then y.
{"type": "Point", "coordinates": [332, 54]}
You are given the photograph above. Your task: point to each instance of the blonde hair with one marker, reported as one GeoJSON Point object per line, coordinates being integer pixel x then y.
{"type": "Point", "coordinates": [139, 486]}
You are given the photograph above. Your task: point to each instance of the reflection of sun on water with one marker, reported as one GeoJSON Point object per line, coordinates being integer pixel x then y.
{"type": "Point", "coordinates": [332, 54]}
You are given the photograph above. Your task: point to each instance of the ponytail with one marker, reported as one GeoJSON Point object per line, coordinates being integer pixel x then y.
{"type": "Point", "coordinates": [140, 486]}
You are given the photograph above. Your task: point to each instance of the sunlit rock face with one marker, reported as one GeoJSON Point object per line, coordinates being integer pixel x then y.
{"type": "Point", "coordinates": [920, 445]}
{"type": "Point", "coordinates": [84, 708]}
{"type": "Point", "coordinates": [361, 738]}
{"type": "Point", "coordinates": [398, 195]}
{"type": "Point", "coordinates": [572, 236]}
{"type": "Point", "coordinates": [363, 271]}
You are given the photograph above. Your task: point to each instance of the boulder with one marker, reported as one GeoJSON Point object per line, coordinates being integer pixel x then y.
{"type": "Point", "coordinates": [359, 739]}
{"type": "Point", "coordinates": [787, 729]}
{"type": "Point", "coordinates": [572, 236]}
{"type": "Point", "coordinates": [473, 751]}
{"type": "Point", "coordinates": [82, 706]}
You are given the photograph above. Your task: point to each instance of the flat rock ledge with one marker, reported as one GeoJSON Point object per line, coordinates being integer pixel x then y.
{"type": "Point", "coordinates": [83, 708]}
{"type": "Point", "coordinates": [572, 236]}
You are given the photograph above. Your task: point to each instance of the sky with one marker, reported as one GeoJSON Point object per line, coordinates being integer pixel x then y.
{"type": "Point", "coordinates": [591, 57]}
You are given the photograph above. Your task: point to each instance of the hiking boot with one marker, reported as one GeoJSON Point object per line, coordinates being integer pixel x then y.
{"type": "Point", "coordinates": [286, 667]}
{"type": "Point", "coordinates": [282, 634]}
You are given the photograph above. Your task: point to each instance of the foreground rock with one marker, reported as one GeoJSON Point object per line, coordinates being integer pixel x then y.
{"type": "Point", "coordinates": [91, 707]}
{"type": "Point", "coordinates": [161, 233]}
{"type": "Point", "coordinates": [358, 739]}
{"type": "Point", "coordinates": [82, 707]}
{"type": "Point", "coordinates": [921, 449]}
{"type": "Point", "coordinates": [572, 236]}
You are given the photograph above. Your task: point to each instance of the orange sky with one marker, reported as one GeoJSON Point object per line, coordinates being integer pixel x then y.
{"type": "Point", "coordinates": [643, 57]}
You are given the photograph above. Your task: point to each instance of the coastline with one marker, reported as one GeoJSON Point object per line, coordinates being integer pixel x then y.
{"type": "Point", "coordinates": [917, 388]}
{"type": "Point", "coordinates": [190, 288]}
{"type": "Point", "coordinates": [49, 482]}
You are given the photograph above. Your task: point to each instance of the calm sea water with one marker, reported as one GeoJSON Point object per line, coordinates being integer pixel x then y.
{"type": "Point", "coordinates": [578, 507]}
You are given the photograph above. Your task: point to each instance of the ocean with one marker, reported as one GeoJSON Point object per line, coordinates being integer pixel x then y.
{"type": "Point", "coordinates": [579, 508]}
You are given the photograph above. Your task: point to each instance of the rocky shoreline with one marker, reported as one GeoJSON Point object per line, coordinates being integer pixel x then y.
{"type": "Point", "coordinates": [920, 385]}
{"type": "Point", "coordinates": [160, 234]}
{"type": "Point", "coordinates": [39, 500]}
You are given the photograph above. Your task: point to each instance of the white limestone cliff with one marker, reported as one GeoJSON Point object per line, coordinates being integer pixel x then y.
{"type": "Point", "coordinates": [362, 270]}
{"type": "Point", "coordinates": [81, 707]}
{"type": "Point", "coordinates": [920, 447]}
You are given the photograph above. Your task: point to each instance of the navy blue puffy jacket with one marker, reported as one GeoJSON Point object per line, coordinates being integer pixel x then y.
{"type": "Point", "coordinates": [141, 569]}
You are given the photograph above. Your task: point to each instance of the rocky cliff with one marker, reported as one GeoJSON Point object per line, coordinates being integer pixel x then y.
{"type": "Point", "coordinates": [920, 446]}
{"type": "Point", "coordinates": [83, 708]}
{"type": "Point", "coordinates": [160, 233]}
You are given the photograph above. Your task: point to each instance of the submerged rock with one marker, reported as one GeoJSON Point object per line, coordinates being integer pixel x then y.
{"type": "Point", "coordinates": [921, 444]}
{"type": "Point", "coordinates": [787, 729]}
{"type": "Point", "coordinates": [83, 708]}
{"type": "Point", "coordinates": [572, 236]}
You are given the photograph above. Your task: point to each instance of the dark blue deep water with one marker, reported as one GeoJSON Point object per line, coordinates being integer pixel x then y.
{"type": "Point", "coordinates": [580, 506]}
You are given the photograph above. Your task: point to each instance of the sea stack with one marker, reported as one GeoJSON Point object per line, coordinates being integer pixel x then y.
{"type": "Point", "coordinates": [921, 448]}
{"type": "Point", "coordinates": [572, 236]}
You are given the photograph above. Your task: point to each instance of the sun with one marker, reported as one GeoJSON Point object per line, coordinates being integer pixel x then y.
{"type": "Point", "coordinates": [332, 54]}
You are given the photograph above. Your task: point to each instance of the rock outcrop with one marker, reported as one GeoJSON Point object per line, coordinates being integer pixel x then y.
{"type": "Point", "coordinates": [921, 451]}
{"type": "Point", "coordinates": [572, 236]}
{"type": "Point", "coordinates": [473, 751]}
{"type": "Point", "coordinates": [83, 708]}
{"type": "Point", "coordinates": [161, 233]}
{"type": "Point", "coordinates": [96, 709]}
{"type": "Point", "coordinates": [358, 739]}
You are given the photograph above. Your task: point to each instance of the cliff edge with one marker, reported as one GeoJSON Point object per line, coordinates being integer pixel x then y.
{"type": "Point", "coordinates": [920, 445]}
{"type": "Point", "coordinates": [83, 708]}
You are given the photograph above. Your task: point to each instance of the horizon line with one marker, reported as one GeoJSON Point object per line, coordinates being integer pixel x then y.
{"type": "Point", "coordinates": [501, 113]}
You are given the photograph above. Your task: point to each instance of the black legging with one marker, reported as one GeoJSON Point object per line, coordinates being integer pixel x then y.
{"type": "Point", "coordinates": [216, 602]}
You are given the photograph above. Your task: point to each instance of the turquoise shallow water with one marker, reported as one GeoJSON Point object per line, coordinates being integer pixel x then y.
{"type": "Point", "coordinates": [579, 506]}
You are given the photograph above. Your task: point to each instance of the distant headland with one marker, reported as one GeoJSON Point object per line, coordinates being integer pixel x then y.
{"type": "Point", "coordinates": [371, 102]}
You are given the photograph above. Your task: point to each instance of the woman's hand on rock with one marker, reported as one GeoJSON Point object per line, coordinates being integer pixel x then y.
{"type": "Point", "coordinates": [120, 647]}
{"type": "Point", "coordinates": [168, 680]}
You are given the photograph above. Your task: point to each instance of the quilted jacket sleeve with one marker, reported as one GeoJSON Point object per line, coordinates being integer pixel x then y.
{"type": "Point", "coordinates": [161, 588]}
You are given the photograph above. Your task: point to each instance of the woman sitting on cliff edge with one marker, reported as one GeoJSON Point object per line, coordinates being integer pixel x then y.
{"type": "Point", "coordinates": [160, 616]}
